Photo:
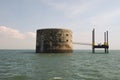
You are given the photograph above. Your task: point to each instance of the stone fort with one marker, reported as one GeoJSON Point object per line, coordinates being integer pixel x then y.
{"type": "Point", "coordinates": [54, 41]}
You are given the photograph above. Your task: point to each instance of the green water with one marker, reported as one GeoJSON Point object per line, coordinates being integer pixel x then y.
{"type": "Point", "coordinates": [79, 65]}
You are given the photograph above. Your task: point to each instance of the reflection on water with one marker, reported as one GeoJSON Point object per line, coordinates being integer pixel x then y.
{"type": "Point", "coordinates": [80, 65]}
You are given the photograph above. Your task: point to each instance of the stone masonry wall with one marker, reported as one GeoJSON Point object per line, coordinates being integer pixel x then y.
{"type": "Point", "coordinates": [54, 40]}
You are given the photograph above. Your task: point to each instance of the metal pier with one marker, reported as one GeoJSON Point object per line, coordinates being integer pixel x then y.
{"type": "Point", "coordinates": [105, 45]}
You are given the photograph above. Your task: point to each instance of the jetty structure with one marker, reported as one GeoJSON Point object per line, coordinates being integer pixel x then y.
{"type": "Point", "coordinates": [105, 45]}
{"type": "Point", "coordinates": [95, 46]}
{"type": "Point", "coordinates": [53, 40]}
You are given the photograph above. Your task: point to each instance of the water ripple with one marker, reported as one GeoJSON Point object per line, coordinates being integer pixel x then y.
{"type": "Point", "coordinates": [20, 65]}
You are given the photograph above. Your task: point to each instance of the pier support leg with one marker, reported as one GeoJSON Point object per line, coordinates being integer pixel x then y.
{"type": "Point", "coordinates": [106, 50]}
{"type": "Point", "coordinates": [93, 50]}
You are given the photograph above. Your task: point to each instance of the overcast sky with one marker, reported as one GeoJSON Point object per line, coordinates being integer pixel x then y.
{"type": "Point", "coordinates": [19, 20]}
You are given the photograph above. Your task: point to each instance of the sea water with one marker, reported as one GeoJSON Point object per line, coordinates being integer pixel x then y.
{"type": "Point", "coordinates": [79, 65]}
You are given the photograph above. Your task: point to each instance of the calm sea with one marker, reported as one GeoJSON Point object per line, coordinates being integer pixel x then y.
{"type": "Point", "coordinates": [79, 65]}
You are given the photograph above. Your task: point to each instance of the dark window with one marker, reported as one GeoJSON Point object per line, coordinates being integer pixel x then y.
{"type": "Point", "coordinates": [66, 40]}
{"type": "Point", "coordinates": [67, 35]}
{"type": "Point", "coordinates": [59, 34]}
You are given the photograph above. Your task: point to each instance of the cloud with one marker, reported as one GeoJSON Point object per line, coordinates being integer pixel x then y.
{"type": "Point", "coordinates": [106, 17]}
{"type": "Point", "coordinates": [14, 39]}
{"type": "Point", "coordinates": [31, 34]}
{"type": "Point", "coordinates": [73, 8]}
{"type": "Point", "coordinates": [13, 33]}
